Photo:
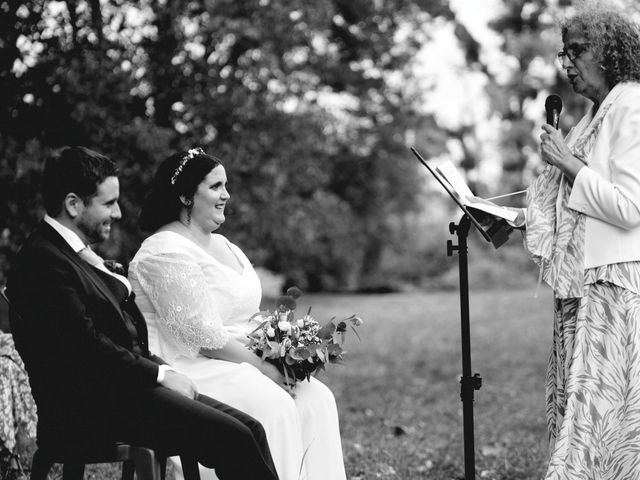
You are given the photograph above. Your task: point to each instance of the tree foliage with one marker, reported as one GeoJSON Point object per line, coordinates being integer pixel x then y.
{"type": "Point", "coordinates": [293, 96]}
{"type": "Point", "coordinates": [310, 105]}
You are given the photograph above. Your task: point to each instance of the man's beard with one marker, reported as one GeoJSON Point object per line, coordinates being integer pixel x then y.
{"type": "Point", "coordinates": [94, 232]}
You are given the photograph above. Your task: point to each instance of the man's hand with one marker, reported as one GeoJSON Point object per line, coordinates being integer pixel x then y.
{"type": "Point", "coordinates": [179, 383]}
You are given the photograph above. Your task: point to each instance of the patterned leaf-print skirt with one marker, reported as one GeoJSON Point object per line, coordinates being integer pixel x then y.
{"type": "Point", "coordinates": [593, 386]}
{"type": "Point", "coordinates": [18, 417]}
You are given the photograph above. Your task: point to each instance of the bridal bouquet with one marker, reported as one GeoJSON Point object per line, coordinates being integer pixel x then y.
{"type": "Point", "coordinates": [298, 346]}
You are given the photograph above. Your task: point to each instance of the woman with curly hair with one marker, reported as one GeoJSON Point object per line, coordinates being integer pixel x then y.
{"type": "Point", "coordinates": [583, 230]}
{"type": "Point", "coordinates": [582, 225]}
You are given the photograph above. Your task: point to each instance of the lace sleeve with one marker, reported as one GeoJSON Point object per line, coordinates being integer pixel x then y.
{"type": "Point", "coordinates": [177, 290]}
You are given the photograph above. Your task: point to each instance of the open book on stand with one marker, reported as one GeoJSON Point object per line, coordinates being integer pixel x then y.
{"type": "Point", "coordinates": [490, 219]}
{"type": "Point", "coordinates": [451, 175]}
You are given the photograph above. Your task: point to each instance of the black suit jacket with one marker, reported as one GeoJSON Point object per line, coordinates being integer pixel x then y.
{"type": "Point", "coordinates": [70, 330]}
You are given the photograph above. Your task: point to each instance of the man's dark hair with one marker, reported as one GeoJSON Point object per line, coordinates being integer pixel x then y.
{"type": "Point", "coordinates": [73, 170]}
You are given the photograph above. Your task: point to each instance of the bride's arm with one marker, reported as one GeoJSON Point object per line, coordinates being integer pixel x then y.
{"type": "Point", "coordinates": [234, 351]}
{"type": "Point", "coordinates": [177, 289]}
{"type": "Point", "coordinates": [187, 313]}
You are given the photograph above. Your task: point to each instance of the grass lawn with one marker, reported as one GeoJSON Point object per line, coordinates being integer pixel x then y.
{"type": "Point", "coordinates": [398, 394]}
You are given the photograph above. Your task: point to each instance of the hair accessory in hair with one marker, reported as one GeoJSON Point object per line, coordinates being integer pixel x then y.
{"type": "Point", "coordinates": [190, 154]}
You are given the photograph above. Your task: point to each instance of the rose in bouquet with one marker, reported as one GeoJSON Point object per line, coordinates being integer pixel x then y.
{"type": "Point", "coordinates": [299, 347]}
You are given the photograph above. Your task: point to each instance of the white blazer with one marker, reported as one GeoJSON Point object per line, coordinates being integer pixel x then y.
{"type": "Point", "coordinates": [607, 190]}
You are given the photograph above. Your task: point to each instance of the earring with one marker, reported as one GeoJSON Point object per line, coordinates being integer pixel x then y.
{"type": "Point", "coordinates": [188, 204]}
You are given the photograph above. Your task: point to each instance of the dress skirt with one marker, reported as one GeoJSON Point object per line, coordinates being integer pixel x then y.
{"type": "Point", "coordinates": [303, 432]}
{"type": "Point", "coordinates": [593, 386]}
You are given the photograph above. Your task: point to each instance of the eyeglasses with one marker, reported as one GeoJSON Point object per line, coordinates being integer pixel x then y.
{"type": "Point", "coordinates": [573, 52]}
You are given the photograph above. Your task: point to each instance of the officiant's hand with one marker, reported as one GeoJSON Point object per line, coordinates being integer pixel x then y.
{"type": "Point", "coordinates": [554, 151]}
{"type": "Point", "coordinates": [180, 383]}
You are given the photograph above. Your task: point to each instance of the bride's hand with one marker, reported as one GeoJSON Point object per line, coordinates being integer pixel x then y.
{"type": "Point", "coordinates": [207, 352]}
{"type": "Point", "coordinates": [233, 351]}
{"type": "Point", "coordinates": [273, 373]}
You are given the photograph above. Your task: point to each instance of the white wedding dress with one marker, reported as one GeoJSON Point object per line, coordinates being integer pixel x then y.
{"type": "Point", "coordinates": [189, 301]}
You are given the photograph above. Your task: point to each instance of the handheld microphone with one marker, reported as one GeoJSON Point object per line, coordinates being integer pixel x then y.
{"type": "Point", "coordinates": [553, 107]}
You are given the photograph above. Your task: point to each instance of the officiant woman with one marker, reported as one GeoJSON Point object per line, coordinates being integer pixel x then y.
{"type": "Point", "coordinates": [583, 230]}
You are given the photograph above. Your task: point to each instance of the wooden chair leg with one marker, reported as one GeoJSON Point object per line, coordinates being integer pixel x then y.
{"type": "Point", "coordinates": [40, 466]}
{"type": "Point", "coordinates": [147, 465]}
{"type": "Point", "coordinates": [163, 467]}
{"type": "Point", "coordinates": [190, 468]}
{"type": "Point", "coordinates": [73, 471]}
{"type": "Point", "coordinates": [128, 470]}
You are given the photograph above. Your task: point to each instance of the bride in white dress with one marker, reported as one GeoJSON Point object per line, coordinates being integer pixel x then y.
{"type": "Point", "coordinates": [197, 292]}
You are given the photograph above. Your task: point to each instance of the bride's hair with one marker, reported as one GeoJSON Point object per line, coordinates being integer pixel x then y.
{"type": "Point", "coordinates": [177, 176]}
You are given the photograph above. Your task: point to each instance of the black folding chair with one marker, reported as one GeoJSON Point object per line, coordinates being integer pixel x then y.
{"type": "Point", "coordinates": [144, 462]}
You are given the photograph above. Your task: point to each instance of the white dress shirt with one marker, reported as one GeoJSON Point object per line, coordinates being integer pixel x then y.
{"type": "Point", "coordinates": [78, 245]}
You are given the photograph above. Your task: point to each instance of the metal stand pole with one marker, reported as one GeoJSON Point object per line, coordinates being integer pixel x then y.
{"type": "Point", "coordinates": [468, 383]}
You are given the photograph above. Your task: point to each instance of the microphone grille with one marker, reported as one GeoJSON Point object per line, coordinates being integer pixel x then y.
{"type": "Point", "coordinates": [553, 102]}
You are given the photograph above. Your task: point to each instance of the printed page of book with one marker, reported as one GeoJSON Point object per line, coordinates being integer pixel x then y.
{"type": "Point", "coordinates": [453, 177]}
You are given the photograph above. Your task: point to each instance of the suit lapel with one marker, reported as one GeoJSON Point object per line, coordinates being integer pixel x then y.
{"type": "Point", "coordinates": [52, 236]}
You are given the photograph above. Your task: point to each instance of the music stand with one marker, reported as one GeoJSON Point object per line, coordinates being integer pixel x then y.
{"type": "Point", "coordinates": [497, 233]}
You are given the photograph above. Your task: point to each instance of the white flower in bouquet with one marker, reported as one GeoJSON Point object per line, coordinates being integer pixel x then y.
{"type": "Point", "coordinates": [284, 325]}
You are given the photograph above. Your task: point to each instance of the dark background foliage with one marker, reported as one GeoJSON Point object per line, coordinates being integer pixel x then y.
{"type": "Point", "coordinates": [240, 79]}
{"type": "Point", "coordinates": [295, 97]}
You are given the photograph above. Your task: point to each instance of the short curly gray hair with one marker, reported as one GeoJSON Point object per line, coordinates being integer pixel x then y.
{"type": "Point", "coordinates": [614, 39]}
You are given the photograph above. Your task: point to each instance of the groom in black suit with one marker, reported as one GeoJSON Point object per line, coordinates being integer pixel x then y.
{"type": "Point", "coordinates": [84, 341]}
